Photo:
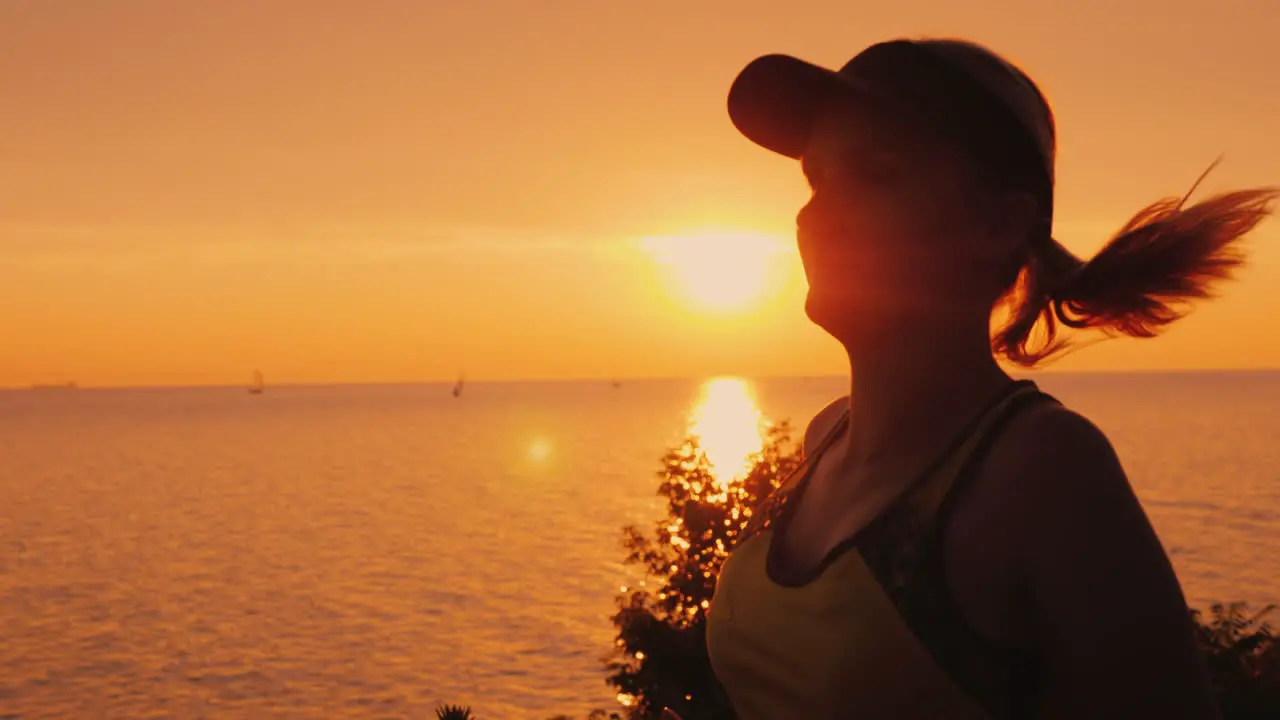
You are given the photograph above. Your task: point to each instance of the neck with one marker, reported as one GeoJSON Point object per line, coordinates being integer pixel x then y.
{"type": "Point", "coordinates": [915, 387]}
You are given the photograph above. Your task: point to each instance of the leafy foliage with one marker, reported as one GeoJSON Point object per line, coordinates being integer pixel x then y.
{"type": "Point", "coordinates": [661, 655]}
{"type": "Point", "coordinates": [454, 712]}
{"type": "Point", "coordinates": [1243, 655]}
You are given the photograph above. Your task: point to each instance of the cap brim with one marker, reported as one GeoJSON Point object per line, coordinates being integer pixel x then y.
{"type": "Point", "coordinates": [775, 99]}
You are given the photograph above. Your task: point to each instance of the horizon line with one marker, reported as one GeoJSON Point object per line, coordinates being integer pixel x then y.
{"type": "Point", "coordinates": [72, 385]}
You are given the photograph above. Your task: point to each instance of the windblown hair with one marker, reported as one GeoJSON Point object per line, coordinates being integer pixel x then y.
{"type": "Point", "coordinates": [1166, 256]}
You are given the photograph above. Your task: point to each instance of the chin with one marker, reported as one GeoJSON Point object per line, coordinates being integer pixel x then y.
{"type": "Point", "coordinates": [849, 320]}
{"type": "Point", "coordinates": [839, 318]}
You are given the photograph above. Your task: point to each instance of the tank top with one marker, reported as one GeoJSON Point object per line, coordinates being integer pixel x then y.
{"type": "Point", "coordinates": [873, 632]}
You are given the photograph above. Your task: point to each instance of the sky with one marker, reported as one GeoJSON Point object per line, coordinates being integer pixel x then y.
{"type": "Point", "coordinates": [405, 190]}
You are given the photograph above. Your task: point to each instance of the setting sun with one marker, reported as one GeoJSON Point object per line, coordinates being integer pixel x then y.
{"type": "Point", "coordinates": [539, 450]}
{"type": "Point", "coordinates": [717, 270]}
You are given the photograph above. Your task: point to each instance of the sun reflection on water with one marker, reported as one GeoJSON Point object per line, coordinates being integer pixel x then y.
{"type": "Point", "coordinates": [729, 426]}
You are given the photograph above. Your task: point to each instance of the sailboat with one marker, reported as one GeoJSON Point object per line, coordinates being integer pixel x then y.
{"type": "Point", "coordinates": [257, 386]}
{"type": "Point", "coordinates": [457, 388]}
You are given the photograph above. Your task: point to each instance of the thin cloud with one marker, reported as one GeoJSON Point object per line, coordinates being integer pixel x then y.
{"type": "Point", "coordinates": [258, 243]}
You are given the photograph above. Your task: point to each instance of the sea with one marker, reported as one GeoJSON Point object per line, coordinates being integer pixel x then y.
{"type": "Point", "coordinates": [374, 551]}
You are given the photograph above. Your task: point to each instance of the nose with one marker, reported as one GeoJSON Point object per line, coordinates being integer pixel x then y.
{"type": "Point", "coordinates": [806, 216]}
{"type": "Point", "coordinates": [808, 231]}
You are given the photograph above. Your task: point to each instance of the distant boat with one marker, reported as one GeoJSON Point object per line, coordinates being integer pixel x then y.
{"type": "Point", "coordinates": [617, 384]}
{"type": "Point", "coordinates": [257, 387]}
{"type": "Point", "coordinates": [457, 387]}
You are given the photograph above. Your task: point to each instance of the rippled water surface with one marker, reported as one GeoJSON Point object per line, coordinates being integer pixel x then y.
{"type": "Point", "coordinates": [372, 551]}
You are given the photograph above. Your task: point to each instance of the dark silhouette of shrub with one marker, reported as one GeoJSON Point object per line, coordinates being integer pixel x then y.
{"type": "Point", "coordinates": [454, 712]}
{"type": "Point", "coordinates": [661, 655]}
{"type": "Point", "coordinates": [1243, 656]}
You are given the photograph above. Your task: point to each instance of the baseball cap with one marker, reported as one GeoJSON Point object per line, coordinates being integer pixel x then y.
{"type": "Point", "coordinates": [964, 91]}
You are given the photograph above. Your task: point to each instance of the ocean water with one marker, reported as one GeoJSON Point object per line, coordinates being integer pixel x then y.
{"type": "Point", "coordinates": [372, 551]}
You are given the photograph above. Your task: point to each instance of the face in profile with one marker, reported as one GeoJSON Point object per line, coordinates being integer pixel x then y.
{"type": "Point", "coordinates": [896, 228]}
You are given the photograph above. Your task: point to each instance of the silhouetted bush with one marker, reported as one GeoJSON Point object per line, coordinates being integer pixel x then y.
{"type": "Point", "coordinates": [1243, 656]}
{"type": "Point", "coordinates": [661, 654]}
{"type": "Point", "coordinates": [454, 712]}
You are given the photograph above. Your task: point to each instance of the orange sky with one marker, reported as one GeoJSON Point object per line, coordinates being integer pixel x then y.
{"type": "Point", "coordinates": [342, 191]}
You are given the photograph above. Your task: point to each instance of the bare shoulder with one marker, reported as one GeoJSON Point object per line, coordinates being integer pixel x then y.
{"type": "Point", "coordinates": [1049, 429]}
{"type": "Point", "coordinates": [1112, 627]}
{"type": "Point", "coordinates": [823, 423]}
{"type": "Point", "coordinates": [1067, 496]}
{"type": "Point", "coordinates": [1049, 474]}
{"type": "Point", "coordinates": [1069, 457]}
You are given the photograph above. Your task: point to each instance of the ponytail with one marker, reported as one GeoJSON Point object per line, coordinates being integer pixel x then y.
{"type": "Point", "coordinates": [1140, 282]}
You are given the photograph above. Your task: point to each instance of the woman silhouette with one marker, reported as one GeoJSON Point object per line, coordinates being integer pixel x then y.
{"type": "Point", "coordinates": [957, 543]}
